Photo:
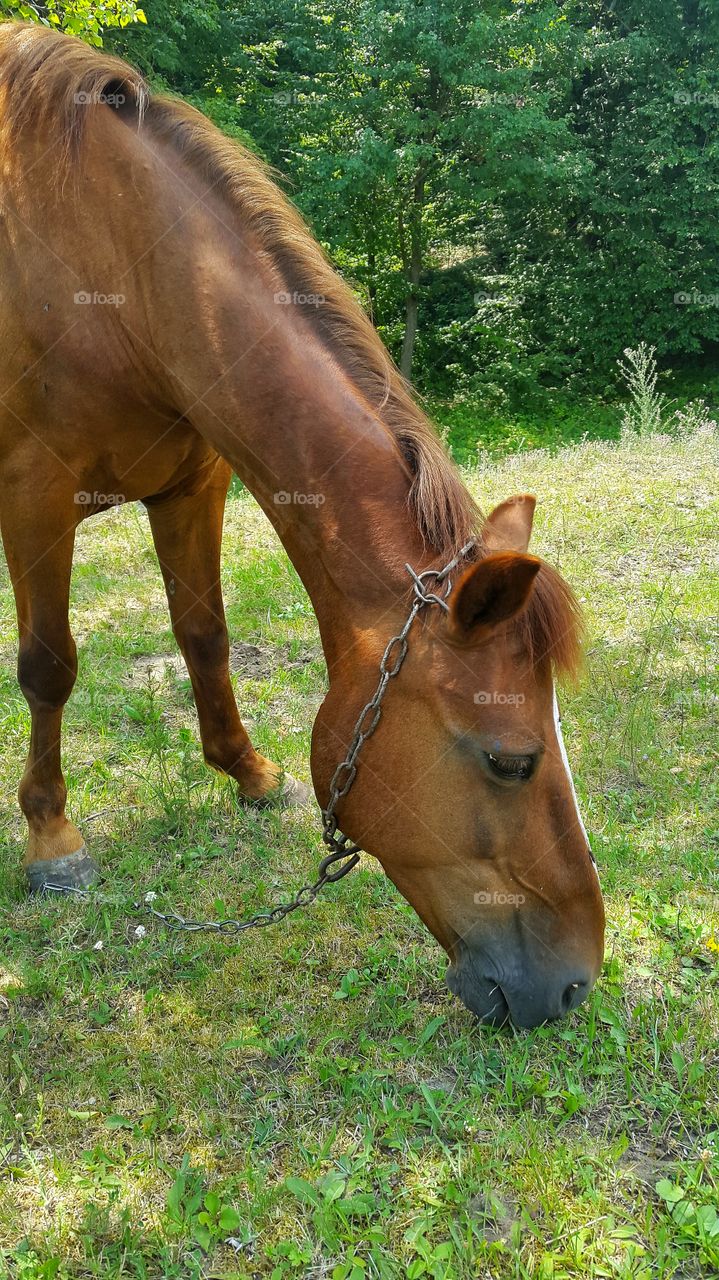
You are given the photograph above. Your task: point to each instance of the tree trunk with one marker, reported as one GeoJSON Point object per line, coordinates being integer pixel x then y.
{"type": "Point", "coordinates": [411, 310]}
{"type": "Point", "coordinates": [413, 271]}
{"type": "Point", "coordinates": [372, 285]}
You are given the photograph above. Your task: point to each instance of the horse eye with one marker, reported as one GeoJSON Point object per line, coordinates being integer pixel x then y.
{"type": "Point", "coordinates": [513, 768]}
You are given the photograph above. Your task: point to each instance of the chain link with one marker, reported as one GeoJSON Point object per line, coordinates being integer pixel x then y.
{"type": "Point", "coordinates": [390, 666]}
{"type": "Point", "coordinates": [342, 853]}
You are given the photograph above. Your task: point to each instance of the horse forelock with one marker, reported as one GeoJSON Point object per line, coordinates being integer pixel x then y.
{"type": "Point", "coordinates": [552, 625]}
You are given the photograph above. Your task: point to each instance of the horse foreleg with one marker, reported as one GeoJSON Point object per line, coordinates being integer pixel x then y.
{"type": "Point", "coordinates": [39, 554]}
{"type": "Point", "coordinates": [187, 531]}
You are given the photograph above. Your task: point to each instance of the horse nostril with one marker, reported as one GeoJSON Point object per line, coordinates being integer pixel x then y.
{"type": "Point", "coordinates": [573, 995]}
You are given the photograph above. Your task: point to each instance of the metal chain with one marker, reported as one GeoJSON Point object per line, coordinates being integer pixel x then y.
{"type": "Point", "coordinates": [369, 717]}
{"type": "Point", "coordinates": [342, 851]}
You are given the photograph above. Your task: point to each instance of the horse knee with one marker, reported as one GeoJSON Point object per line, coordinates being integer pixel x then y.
{"type": "Point", "coordinates": [46, 672]}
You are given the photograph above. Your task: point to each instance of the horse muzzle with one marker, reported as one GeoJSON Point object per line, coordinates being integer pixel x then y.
{"type": "Point", "coordinates": [526, 995]}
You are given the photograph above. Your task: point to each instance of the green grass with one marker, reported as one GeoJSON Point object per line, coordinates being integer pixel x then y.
{"type": "Point", "coordinates": [311, 1102]}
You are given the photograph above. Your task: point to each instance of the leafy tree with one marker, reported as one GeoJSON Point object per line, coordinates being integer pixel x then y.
{"type": "Point", "coordinates": [629, 246]}
{"type": "Point", "coordinates": [183, 45]}
{"type": "Point", "coordinates": [397, 124]}
{"type": "Point", "coordinates": [85, 18]}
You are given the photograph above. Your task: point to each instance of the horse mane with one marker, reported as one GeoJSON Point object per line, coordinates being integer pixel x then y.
{"type": "Point", "coordinates": [54, 84]}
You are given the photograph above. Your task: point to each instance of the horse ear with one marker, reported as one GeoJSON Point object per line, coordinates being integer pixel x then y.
{"type": "Point", "coordinates": [509, 526]}
{"type": "Point", "coordinates": [491, 592]}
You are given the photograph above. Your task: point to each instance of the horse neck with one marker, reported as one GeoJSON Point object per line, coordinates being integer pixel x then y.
{"type": "Point", "coordinates": [256, 381]}
{"type": "Point", "coordinates": [331, 481]}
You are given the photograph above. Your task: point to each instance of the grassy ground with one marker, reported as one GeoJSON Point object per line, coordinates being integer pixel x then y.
{"type": "Point", "coordinates": [312, 1102]}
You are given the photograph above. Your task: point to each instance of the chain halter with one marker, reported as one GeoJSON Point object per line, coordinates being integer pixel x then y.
{"type": "Point", "coordinates": [370, 715]}
{"type": "Point", "coordinates": [431, 587]}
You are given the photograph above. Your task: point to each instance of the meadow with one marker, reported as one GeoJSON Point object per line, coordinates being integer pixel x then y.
{"type": "Point", "coordinates": [310, 1101]}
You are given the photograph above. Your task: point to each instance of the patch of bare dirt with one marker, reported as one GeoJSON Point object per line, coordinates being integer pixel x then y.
{"type": "Point", "coordinates": [253, 662]}
{"type": "Point", "coordinates": [250, 661]}
{"type": "Point", "coordinates": [155, 668]}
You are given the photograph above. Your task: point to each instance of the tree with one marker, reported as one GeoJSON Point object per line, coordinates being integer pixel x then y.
{"type": "Point", "coordinates": [629, 247]}
{"type": "Point", "coordinates": [85, 18]}
{"type": "Point", "coordinates": [397, 124]}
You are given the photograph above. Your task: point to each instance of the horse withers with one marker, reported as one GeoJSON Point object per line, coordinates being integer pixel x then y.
{"type": "Point", "coordinates": [166, 318]}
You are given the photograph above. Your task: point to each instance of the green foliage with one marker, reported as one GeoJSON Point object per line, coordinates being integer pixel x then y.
{"type": "Point", "coordinates": [645, 412]}
{"type": "Point", "coordinates": [181, 44]}
{"type": "Point", "coordinates": [693, 1206]}
{"type": "Point", "coordinates": [85, 18]}
{"type": "Point", "coordinates": [628, 248]}
{"type": "Point", "coordinates": [192, 1211]}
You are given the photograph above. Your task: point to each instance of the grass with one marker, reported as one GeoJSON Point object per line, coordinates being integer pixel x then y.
{"type": "Point", "coordinates": [311, 1101]}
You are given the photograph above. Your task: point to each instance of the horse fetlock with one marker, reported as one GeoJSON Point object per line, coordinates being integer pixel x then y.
{"type": "Point", "coordinates": [253, 774]}
{"type": "Point", "coordinates": [50, 840]}
{"type": "Point", "coordinates": [256, 776]}
{"type": "Point", "coordinates": [42, 800]}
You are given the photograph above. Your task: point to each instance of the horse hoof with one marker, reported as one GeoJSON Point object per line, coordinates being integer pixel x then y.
{"type": "Point", "coordinates": [289, 793]}
{"type": "Point", "coordinates": [293, 793]}
{"type": "Point", "coordinates": [74, 871]}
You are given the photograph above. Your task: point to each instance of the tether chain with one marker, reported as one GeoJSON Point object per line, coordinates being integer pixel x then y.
{"type": "Point", "coordinates": [369, 717]}
{"type": "Point", "coordinates": [341, 850]}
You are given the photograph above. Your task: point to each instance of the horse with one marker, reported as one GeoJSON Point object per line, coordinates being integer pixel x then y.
{"type": "Point", "coordinates": [168, 319]}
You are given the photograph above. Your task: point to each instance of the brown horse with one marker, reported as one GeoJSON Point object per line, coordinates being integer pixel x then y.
{"type": "Point", "coordinates": [166, 317]}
